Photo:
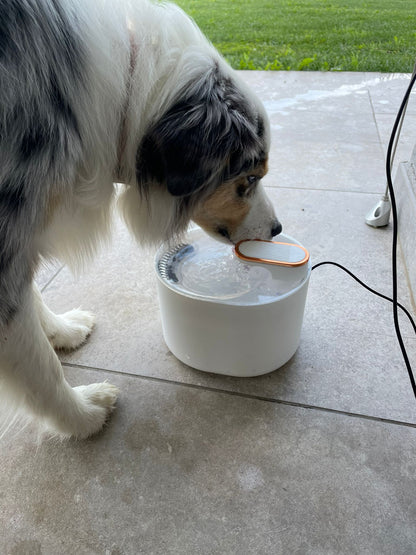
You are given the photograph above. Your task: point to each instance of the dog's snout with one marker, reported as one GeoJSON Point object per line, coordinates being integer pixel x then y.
{"type": "Point", "coordinates": [276, 228]}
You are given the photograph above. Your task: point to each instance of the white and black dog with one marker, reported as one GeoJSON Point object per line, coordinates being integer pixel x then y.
{"type": "Point", "coordinates": [92, 93]}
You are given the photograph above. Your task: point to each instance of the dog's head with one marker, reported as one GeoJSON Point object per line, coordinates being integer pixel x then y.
{"type": "Point", "coordinates": [209, 150]}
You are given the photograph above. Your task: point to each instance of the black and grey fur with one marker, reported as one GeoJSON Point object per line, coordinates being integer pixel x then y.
{"type": "Point", "coordinates": [41, 69]}
{"type": "Point", "coordinates": [94, 92]}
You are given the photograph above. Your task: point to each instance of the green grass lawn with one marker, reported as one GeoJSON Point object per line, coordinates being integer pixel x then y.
{"type": "Point", "coordinates": [335, 35]}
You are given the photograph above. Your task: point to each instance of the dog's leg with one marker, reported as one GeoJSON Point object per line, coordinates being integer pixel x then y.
{"type": "Point", "coordinates": [65, 331]}
{"type": "Point", "coordinates": [33, 372]}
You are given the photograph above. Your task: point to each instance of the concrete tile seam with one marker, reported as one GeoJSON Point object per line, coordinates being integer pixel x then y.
{"type": "Point", "coordinates": [373, 112]}
{"type": "Point", "coordinates": [313, 189]}
{"type": "Point", "coordinates": [247, 396]}
{"type": "Point", "coordinates": [56, 274]}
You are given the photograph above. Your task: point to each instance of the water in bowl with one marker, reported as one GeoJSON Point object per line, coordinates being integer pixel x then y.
{"type": "Point", "coordinates": [206, 268]}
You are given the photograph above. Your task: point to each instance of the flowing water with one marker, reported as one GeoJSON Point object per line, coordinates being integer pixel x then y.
{"type": "Point", "coordinates": [206, 268]}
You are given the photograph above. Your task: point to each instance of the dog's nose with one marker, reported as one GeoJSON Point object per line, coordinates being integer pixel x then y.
{"type": "Point", "coordinates": [277, 228]}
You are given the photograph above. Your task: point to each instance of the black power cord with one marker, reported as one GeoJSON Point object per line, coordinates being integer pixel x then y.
{"type": "Point", "coordinates": [396, 304]}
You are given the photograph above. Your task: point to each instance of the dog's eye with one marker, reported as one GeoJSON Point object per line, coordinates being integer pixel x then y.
{"type": "Point", "coordinates": [248, 188]}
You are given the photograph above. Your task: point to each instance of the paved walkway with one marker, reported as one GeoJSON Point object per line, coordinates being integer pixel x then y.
{"type": "Point", "coordinates": [318, 457]}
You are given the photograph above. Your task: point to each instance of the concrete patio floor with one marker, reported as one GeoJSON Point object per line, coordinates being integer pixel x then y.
{"type": "Point", "coordinates": [318, 457]}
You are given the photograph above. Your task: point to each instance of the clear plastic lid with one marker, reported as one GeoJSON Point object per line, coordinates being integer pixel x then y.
{"type": "Point", "coordinates": [206, 269]}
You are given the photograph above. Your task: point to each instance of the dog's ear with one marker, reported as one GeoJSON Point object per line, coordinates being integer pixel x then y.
{"type": "Point", "coordinates": [198, 139]}
{"type": "Point", "coordinates": [177, 154]}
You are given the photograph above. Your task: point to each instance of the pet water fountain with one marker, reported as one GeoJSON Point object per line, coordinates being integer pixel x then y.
{"type": "Point", "coordinates": [233, 310]}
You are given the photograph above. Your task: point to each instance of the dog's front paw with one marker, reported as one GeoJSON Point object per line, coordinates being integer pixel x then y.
{"type": "Point", "coordinates": [71, 329]}
{"type": "Point", "coordinates": [96, 402]}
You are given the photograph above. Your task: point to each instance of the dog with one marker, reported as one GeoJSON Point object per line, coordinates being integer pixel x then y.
{"type": "Point", "coordinates": [96, 93]}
